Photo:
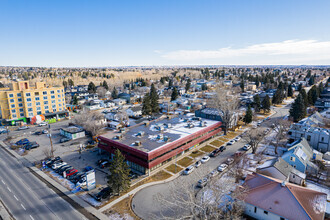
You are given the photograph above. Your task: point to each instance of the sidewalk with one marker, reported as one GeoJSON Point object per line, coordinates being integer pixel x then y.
{"type": "Point", "coordinates": [4, 214]}
{"type": "Point", "coordinates": [52, 182]}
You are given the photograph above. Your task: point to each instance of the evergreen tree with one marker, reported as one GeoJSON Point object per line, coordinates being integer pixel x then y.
{"type": "Point", "coordinates": [278, 96]}
{"type": "Point", "coordinates": [75, 100]}
{"type": "Point", "coordinates": [175, 94]}
{"type": "Point", "coordinates": [298, 109]}
{"type": "Point", "coordinates": [242, 85]}
{"type": "Point", "coordinates": [105, 85]}
{"type": "Point", "coordinates": [311, 80]}
{"type": "Point", "coordinates": [266, 104]}
{"type": "Point", "coordinates": [320, 88]}
{"type": "Point", "coordinates": [71, 83]}
{"type": "Point", "coordinates": [248, 116]}
{"type": "Point", "coordinates": [65, 84]}
{"type": "Point", "coordinates": [188, 84]}
{"type": "Point", "coordinates": [91, 87]}
{"type": "Point", "coordinates": [114, 93]}
{"type": "Point", "coordinates": [300, 87]}
{"type": "Point", "coordinates": [256, 102]}
{"type": "Point", "coordinates": [304, 97]}
{"type": "Point", "coordinates": [290, 91]}
{"type": "Point", "coordinates": [170, 83]}
{"type": "Point", "coordinates": [312, 95]}
{"type": "Point", "coordinates": [146, 105]}
{"type": "Point", "coordinates": [154, 99]}
{"type": "Point", "coordinates": [119, 179]}
{"type": "Point", "coordinates": [257, 81]}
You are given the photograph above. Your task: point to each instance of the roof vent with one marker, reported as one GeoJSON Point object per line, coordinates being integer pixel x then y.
{"type": "Point", "coordinates": [283, 183]}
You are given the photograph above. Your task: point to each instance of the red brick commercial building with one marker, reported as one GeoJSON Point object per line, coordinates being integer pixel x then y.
{"type": "Point", "coordinates": [147, 147]}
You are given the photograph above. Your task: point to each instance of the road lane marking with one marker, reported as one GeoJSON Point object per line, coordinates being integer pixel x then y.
{"type": "Point", "coordinates": [23, 207]}
{"type": "Point", "coordinates": [15, 197]}
{"type": "Point", "coordinates": [31, 217]}
{"type": "Point", "coordinates": [8, 189]}
{"type": "Point", "coordinates": [3, 182]}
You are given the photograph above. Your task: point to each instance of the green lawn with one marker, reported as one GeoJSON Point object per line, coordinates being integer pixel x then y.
{"type": "Point", "coordinates": [186, 161]}
{"type": "Point", "coordinates": [208, 148]}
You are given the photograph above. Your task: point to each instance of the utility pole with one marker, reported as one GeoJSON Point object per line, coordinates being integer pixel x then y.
{"type": "Point", "coordinates": [51, 142]}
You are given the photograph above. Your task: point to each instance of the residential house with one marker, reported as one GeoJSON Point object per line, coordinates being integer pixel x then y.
{"type": "Point", "coordinates": [299, 155]}
{"type": "Point", "coordinates": [215, 114]}
{"type": "Point", "coordinates": [135, 111]}
{"type": "Point", "coordinates": [280, 169]}
{"type": "Point", "coordinates": [318, 138]}
{"type": "Point", "coordinates": [119, 102]}
{"type": "Point", "coordinates": [271, 198]}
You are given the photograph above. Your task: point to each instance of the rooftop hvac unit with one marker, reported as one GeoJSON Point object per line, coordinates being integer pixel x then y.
{"type": "Point", "coordinates": [137, 143]}
{"type": "Point", "coordinates": [190, 125]}
{"type": "Point", "coordinates": [167, 125]}
{"type": "Point", "coordinates": [160, 136]}
{"type": "Point", "coordinates": [118, 137]}
{"type": "Point", "coordinates": [202, 123]}
{"type": "Point", "coordinates": [122, 130]}
{"type": "Point", "coordinates": [140, 134]}
{"type": "Point", "coordinates": [166, 139]}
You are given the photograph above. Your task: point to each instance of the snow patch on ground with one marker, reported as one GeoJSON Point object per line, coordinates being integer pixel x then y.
{"type": "Point", "coordinates": [117, 216]}
{"type": "Point", "coordinates": [66, 183]}
{"type": "Point", "coordinates": [90, 200]}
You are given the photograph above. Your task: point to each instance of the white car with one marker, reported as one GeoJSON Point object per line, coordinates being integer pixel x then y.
{"type": "Point", "coordinates": [57, 165]}
{"type": "Point", "coordinates": [230, 160]}
{"type": "Point", "coordinates": [42, 124]}
{"type": "Point", "coordinates": [222, 167]}
{"type": "Point", "coordinates": [23, 127]}
{"type": "Point", "coordinates": [188, 170]}
{"type": "Point", "coordinates": [247, 147]}
{"type": "Point", "coordinates": [231, 142]}
{"type": "Point", "coordinates": [205, 159]}
{"type": "Point", "coordinates": [237, 138]}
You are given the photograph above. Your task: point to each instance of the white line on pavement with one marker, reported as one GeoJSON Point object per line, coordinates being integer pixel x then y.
{"type": "Point", "coordinates": [23, 207]}
{"type": "Point", "coordinates": [31, 217]}
{"type": "Point", "coordinates": [8, 189]}
{"type": "Point", "coordinates": [15, 197]}
{"type": "Point", "coordinates": [3, 182]}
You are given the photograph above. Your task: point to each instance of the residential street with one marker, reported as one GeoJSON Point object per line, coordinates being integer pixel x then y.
{"type": "Point", "coordinates": [146, 207]}
{"type": "Point", "coordinates": [26, 197]}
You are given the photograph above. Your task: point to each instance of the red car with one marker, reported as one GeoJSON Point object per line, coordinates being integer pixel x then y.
{"type": "Point", "coordinates": [71, 172]}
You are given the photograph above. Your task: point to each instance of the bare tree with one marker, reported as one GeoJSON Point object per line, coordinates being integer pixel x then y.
{"type": "Point", "coordinates": [48, 152]}
{"type": "Point", "coordinates": [68, 98]}
{"type": "Point", "coordinates": [92, 122]}
{"type": "Point", "coordinates": [281, 128]}
{"type": "Point", "coordinates": [227, 103]}
{"type": "Point", "coordinates": [253, 137]}
{"type": "Point", "coordinates": [218, 200]}
{"type": "Point", "coordinates": [101, 91]}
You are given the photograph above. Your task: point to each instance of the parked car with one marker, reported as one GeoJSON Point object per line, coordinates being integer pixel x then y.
{"type": "Point", "coordinates": [31, 145]}
{"type": "Point", "coordinates": [198, 163]}
{"type": "Point", "coordinates": [222, 167]}
{"type": "Point", "coordinates": [38, 133]}
{"type": "Point", "coordinates": [231, 142]}
{"type": "Point", "coordinates": [23, 128]}
{"type": "Point", "coordinates": [101, 161]}
{"type": "Point", "coordinates": [230, 160]}
{"type": "Point", "coordinates": [188, 170]}
{"type": "Point", "coordinates": [215, 153]}
{"type": "Point", "coordinates": [247, 147]}
{"type": "Point", "coordinates": [3, 131]}
{"type": "Point", "coordinates": [62, 168]}
{"type": "Point", "coordinates": [50, 161]}
{"type": "Point", "coordinates": [64, 140]}
{"type": "Point", "coordinates": [58, 164]}
{"type": "Point", "coordinates": [82, 182]}
{"type": "Point", "coordinates": [70, 172]}
{"type": "Point", "coordinates": [103, 194]}
{"type": "Point", "coordinates": [45, 131]}
{"type": "Point", "coordinates": [222, 148]}
{"type": "Point", "coordinates": [213, 173]}
{"type": "Point", "coordinates": [104, 164]}
{"type": "Point", "coordinates": [88, 168]}
{"type": "Point", "coordinates": [76, 175]}
{"type": "Point", "coordinates": [61, 171]}
{"type": "Point", "coordinates": [22, 141]}
{"type": "Point", "coordinates": [202, 182]}
{"type": "Point", "coordinates": [42, 124]}
{"type": "Point", "coordinates": [205, 159]}
{"type": "Point", "coordinates": [237, 138]}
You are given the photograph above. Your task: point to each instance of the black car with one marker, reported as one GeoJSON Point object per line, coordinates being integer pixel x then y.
{"type": "Point", "coordinates": [78, 178]}
{"type": "Point", "coordinates": [65, 169]}
{"type": "Point", "coordinates": [76, 175]}
{"type": "Point", "coordinates": [31, 145]}
{"type": "Point", "coordinates": [50, 162]}
{"type": "Point", "coordinates": [215, 153]}
{"type": "Point", "coordinates": [38, 133]}
{"type": "Point", "coordinates": [57, 170]}
{"type": "Point", "coordinates": [222, 148]}
{"type": "Point", "coordinates": [103, 194]}
{"type": "Point", "coordinates": [60, 171]}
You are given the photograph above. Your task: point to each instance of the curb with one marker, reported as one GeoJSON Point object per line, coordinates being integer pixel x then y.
{"type": "Point", "coordinates": [43, 177]}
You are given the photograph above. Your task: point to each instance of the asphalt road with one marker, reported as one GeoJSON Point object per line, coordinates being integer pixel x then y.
{"type": "Point", "coordinates": [26, 197]}
{"type": "Point", "coordinates": [146, 206]}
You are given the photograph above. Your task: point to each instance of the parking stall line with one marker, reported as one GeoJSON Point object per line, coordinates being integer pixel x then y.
{"type": "Point", "coordinates": [23, 207]}
{"type": "Point", "coordinates": [8, 189]}
{"type": "Point", "coordinates": [15, 197]}
{"type": "Point", "coordinates": [3, 182]}
{"type": "Point", "coordinates": [31, 217]}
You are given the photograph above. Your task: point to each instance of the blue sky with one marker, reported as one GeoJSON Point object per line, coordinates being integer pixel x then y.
{"type": "Point", "coordinates": [100, 33]}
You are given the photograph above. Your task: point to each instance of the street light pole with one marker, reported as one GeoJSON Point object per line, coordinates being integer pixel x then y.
{"type": "Point", "coordinates": [51, 143]}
